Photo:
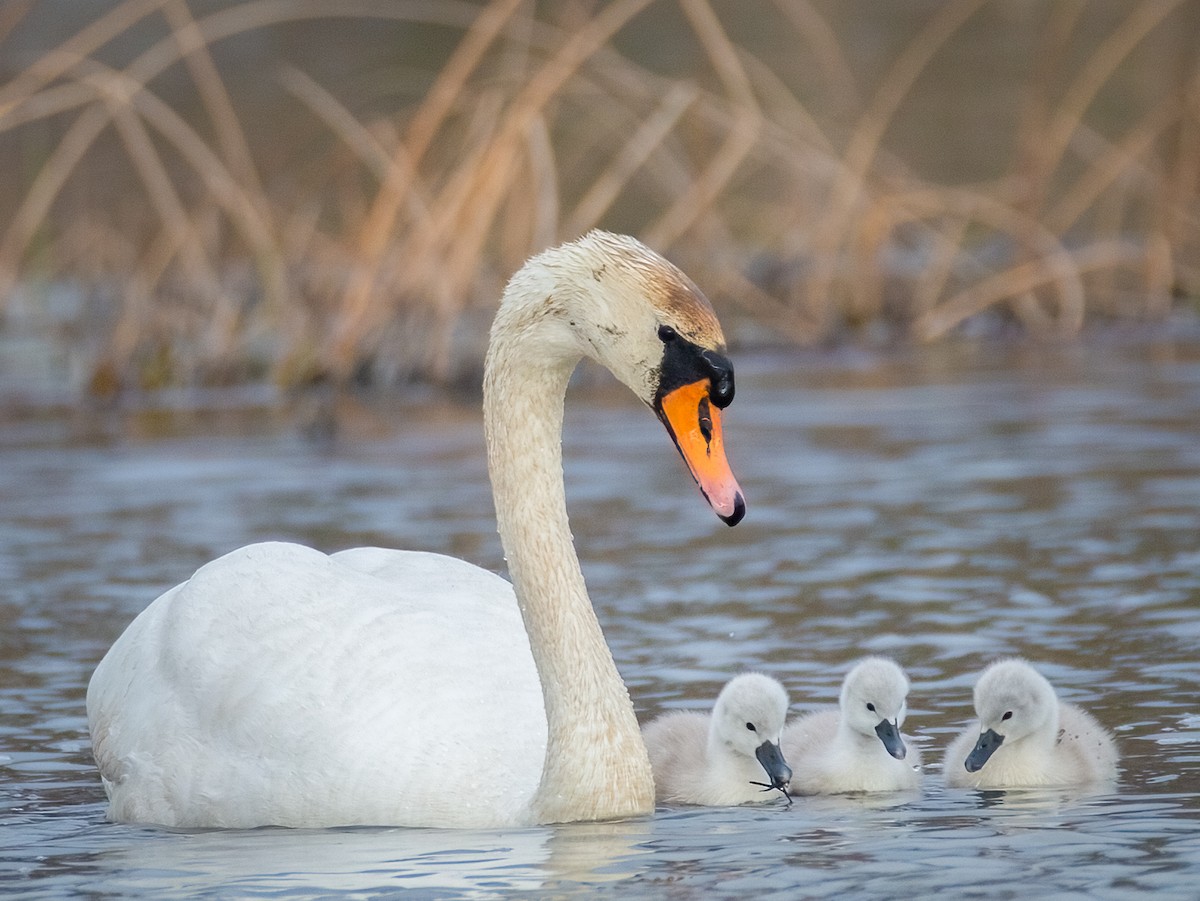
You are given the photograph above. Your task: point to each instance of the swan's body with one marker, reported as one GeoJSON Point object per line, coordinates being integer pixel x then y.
{"type": "Point", "coordinates": [725, 757]}
{"type": "Point", "coordinates": [1026, 737]}
{"type": "Point", "coordinates": [282, 686]}
{"type": "Point", "coordinates": [858, 746]}
{"type": "Point", "coordinates": [300, 728]}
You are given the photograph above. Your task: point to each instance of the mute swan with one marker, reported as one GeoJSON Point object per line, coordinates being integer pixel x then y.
{"type": "Point", "coordinates": [282, 686]}
{"type": "Point", "coordinates": [858, 746]}
{"type": "Point", "coordinates": [721, 758]}
{"type": "Point", "coordinates": [1026, 737]}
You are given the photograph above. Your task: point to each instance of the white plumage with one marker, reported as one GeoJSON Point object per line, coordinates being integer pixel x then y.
{"type": "Point", "coordinates": [214, 709]}
{"type": "Point", "coordinates": [715, 758]}
{"type": "Point", "coordinates": [1025, 737]}
{"type": "Point", "coordinates": [858, 746]}
{"type": "Point", "coordinates": [279, 685]}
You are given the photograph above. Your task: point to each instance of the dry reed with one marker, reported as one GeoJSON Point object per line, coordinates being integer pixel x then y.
{"type": "Point", "coordinates": [196, 260]}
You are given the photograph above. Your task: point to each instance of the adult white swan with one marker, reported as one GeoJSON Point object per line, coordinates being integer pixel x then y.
{"type": "Point", "coordinates": [282, 686]}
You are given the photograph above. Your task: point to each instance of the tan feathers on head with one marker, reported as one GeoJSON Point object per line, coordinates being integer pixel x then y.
{"type": "Point", "coordinates": [674, 295]}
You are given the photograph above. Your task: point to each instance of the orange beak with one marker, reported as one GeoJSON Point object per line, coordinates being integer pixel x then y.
{"type": "Point", "coordinates": [695, 426]}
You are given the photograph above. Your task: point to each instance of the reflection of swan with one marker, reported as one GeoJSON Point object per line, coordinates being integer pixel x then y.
{"type": "Point", "coordinates": [282, 686]}
{"type": "Point", "coordinates": [327, 863]}
{"type": "Point", "coordinates": [1026, 737]}
{"type": "Point", "coordinates": [858, 746]}
{"type": "Point", "coordinates": [725, 757]}
{"type": "Point", "coordinates": [362, 862]}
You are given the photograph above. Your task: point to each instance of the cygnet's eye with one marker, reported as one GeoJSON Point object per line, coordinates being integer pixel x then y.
{"type": "Point", "coordinates": [1007, 715]}
{"type": "Point", "coordinates": [666, 333]}
{"type": "Point", "coordinates": [871, 707]}
{"type": "Point", "coordinates": [750, 726]}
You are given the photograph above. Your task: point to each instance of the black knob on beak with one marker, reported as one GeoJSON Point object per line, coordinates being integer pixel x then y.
{"type": "Point", "coordinates": [720, 377]}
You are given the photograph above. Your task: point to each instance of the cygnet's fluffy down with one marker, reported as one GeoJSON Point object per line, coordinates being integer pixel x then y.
{"type": "Point", "coordinates": [1025, 737]}
{"type": "Point", "coordinates": [727, 757]}
{"type": "Point", "coordinates": [857, 746]}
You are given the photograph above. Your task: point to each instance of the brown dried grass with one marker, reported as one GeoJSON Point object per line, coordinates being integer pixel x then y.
{"type": "Point", "coordinates": [376, 252]}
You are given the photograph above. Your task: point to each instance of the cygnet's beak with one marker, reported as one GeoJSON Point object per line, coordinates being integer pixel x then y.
{"type": "Point", "coordinates": [984, 748]}
{"type": "Point", "coordinates": [778, 772]}
{"type": "Point", "coordinates": [889, 734]}
{"type": "Point", "coordinates": [694, 422]}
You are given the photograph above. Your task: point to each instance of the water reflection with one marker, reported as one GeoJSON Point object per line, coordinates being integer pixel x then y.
{"type": "Point", "coordinates": [342, 861]}
{"type": "Point", "coordinates": [945, 508]}
{"type": "Point", "coordinates": [158, 863]}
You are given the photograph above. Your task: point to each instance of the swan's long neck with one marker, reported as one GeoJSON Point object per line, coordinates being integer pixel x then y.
{"type": "Point", "coordinates": [596, 765]}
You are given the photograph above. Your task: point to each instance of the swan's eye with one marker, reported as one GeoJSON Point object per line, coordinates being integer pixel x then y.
{"type": "Point", "coordinates": [1007, 715]}
{"type": "Point", "coordinates": [750, 726]}
{"type": "Point", "coordinates": [666, 333]}
{"type": "Point", "coordinates": [871, 707]}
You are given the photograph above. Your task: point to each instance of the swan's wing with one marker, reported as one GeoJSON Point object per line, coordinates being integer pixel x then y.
{"type": "Point", "coordinates": [1088, 749]}
{"type": "Point", "coordinates": [809, 736]}
{"type": "Point", "coordinates": [676, 743]}
{"type": "Point", "coordinates": [280, 685]}
{"type": "Point", "coordinates": [424, 571]}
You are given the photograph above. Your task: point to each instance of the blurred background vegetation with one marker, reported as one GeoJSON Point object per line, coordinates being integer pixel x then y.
{"type": "Point", "coordinates": [199, 192]}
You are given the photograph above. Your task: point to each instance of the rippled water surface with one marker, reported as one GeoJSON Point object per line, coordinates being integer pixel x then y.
{"type": "Point", "coordinates": [944, 506]}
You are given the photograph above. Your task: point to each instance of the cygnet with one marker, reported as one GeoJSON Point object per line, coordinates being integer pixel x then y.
{"type": "Point", "coordinates": [727, 757]}
{"type": "Point", "coordinates": [857, 746]}
{"type": "Point", "coordinates": [1026, 737]}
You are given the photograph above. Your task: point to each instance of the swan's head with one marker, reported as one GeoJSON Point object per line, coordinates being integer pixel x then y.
{"type": "Point", "coordinates": [1013, 701]}
{"type": "Point", "coordinates": [612, 299]}
{"type": "Point", "coordinates": [874, 702]}
{"type": "Point", "coordinates": [748, 719]}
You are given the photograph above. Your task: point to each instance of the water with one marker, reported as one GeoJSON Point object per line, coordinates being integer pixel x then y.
{"type": "Point", "coordinates": [945, 506]}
